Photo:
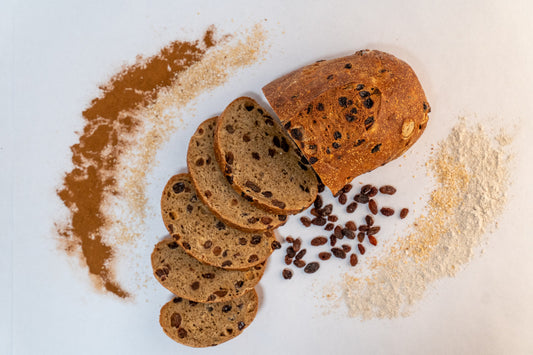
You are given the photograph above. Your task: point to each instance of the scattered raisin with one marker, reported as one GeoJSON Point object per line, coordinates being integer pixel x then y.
{"type": "Point", "coordinates": [338, 232]}
{"type": "Point", "coordinates": [291, 252]}
{"type": "Point", "coordinates": [333, 218]}
{"type": "Point", "coordinates": [338, 252]}
{"type": "Point", "coordinates": [369, 220]}
{"type": "Point", "coordinates": [351, 207]}
{"type": "Point", "coordinates": [372, 240]}
{"type": "Point", "coordinates": [360, 237]}
{"type": "Point", "coordinates": [326, 211]}
{"type": "Point", "coordinates": [363, 228]}
{"type": "Point", "coordinates": [353, 259]}
{"type": "Point", "coordinates": [361, 198]}
{"type": "Point", "coordinates": [361, 248]}
{"type": "Point", "coordinates": [256, 239]}
{"type": "Point", "coordinates": [348, 233]}
{"type": "Point", "coordinates": [318, 202]}
{"type": "Point", "coordinates": [288, 260]}
{"type": "Point", "coordinates": [351, 225]}
{"type": "Point", "coordinates": [373, 230]}
{"type": "Point", "coordinates": [275, 245]}
{"type": "Point", "coordinates": [387, 190]}
{"type": "Point", "coordinates": [329, 227]}
{"type": "Point", "coordinates": [299, 263]}
{"type": "Point", "coordinates": [175, 320]}
{"type": "Point", "coordinates": [318, 221]}
{"type": "Point", "coordinates": [346, 248]}
{"type": "Point", "coordinates": [324, 255]}
{"type": "Point", "coordinates": [332, 240]}
{"type": "Point", "coordinates": [373, 191]}
{"type": "Point", "coordinates": [387, 211]}
{"type": "Point", "coordinates": [365, 190]}
{"type": "Point", "coordinates": [373, 207]}
{"type": "Point", "coordinates": [287, 274]}
{"type": "Point", "coordinates": [317, 241]}
{"type": "Point", "coordinates": [343, 198]}
{"type": "Point", "coordinates": [297, 244]}
{"type": "Point", "coordinates": [403, 213]}
{"type": "Point", "coordinates": [305, 221]}
{"type": "Point", "coordinates": [312, 267]}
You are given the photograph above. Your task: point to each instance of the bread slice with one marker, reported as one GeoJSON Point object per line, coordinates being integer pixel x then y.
{"type": "Point", "coordinates": [261, 161]}
{"type": "Point", "coordinates": [204, 236]}
{"type": "Point", "coordinates": [216, 192]}
{"type": "Point", "coordinates": [351, 115]}
{"type": "Point", "coordinates": [207, 324]}
{"type": "Point", "coordinates": [186, 277]}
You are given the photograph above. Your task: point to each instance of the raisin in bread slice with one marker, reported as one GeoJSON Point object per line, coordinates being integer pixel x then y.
{"type": "Point", "coordinates": [204, 236]}
{"type": "Point", "coordinates": [216, 192]}
{"type": "Point", "coordinates": [261, 161]}
{"type": "Point", "coordinates": [186, 277]}
{"type": "Point", "coordinates": [207, 324]}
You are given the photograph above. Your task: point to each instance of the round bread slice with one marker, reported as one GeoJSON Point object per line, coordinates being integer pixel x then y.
{"type": "Point", "coordinates": [207, 324]}
{"type": "Point", "coordinates": [216, 192]}
{"type": "Point", "coordinates": [186, 277]}
{"type": "Point", "coordinates": [204, 236]}
{"type": "Point", "coordinates": [261, 161]}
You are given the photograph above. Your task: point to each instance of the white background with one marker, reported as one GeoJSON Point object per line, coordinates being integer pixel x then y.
{"type": "Point", "coordinates": [473, 58]}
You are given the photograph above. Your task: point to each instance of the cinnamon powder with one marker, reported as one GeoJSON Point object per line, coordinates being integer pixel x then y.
{"type": "Point", "coordinates": [109, 121]}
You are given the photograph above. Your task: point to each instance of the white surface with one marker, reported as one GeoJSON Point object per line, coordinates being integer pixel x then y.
{"type": "Point", "coordinates": [472, 57]}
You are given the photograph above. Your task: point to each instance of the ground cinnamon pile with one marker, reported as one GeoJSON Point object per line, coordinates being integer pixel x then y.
{"type": "Point", "coordinates": [109, 121]}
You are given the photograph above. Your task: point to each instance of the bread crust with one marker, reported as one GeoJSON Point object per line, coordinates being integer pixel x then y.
{"type": "Point", "coordinates": [323, 101]}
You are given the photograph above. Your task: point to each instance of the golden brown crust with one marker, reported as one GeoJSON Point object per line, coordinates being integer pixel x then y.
{"type": "Point", "coordinates": [325, 108]}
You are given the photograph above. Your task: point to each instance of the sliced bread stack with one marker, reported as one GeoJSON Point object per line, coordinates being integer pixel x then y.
{"type": "Point", "coordinates": [245, 176]}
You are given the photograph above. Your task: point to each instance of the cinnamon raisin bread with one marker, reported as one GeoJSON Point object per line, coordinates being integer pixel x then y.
{"type": "Point", "coordinates": [260, 161]}
{"type": "Point", "coordinates": [204, 236]}
{"type": "Point", "coordinates": [351, 115]}
{"type": "Point", "coordinates": [207, 324]}
{"type": "Point", "coordinates": [216, 192]}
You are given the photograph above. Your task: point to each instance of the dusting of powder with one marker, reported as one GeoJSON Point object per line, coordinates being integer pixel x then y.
{"type": "Point", "coordinates": [160, 120]}
{"type": "Point", "coordinates": [471, 169]}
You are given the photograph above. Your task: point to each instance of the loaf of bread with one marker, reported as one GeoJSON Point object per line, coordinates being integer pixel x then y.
{"type": "Point", "coordinates": [205, 237]}
{"type": "Point", "coordinates": [186, 277]}
{"type": "Point", "coordinates": [216, 192]}
{"type": "Point", "coordinates": [261, 161]}
{"type": "Point", "coordinates": [351, 115]}
{"type": "Point", "coordinates": [207, 324]}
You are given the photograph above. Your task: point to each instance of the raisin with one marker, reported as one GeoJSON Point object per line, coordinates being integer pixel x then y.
{"type": "Point", "coordinates": [349, 117]}
{"type": "Point", "coordinates": [329, 227]}
{"type": "Point", "coordinates": [343, 198]}
{"type": "Point", "coordinates": [172, 245]}
{"type": "Point", "coordinates": [226, 308]}
{"type": "Point", "coordinates": [321, 187]}
{"type": "Point", "coordinates": [365, 190]}
{"type": "Point", "coordinates": [182, 333]}
{"type": "Point", "coordinates": [299, 263]}
{"type": "Point", "coordinates": [373, 206]}
{"type": "Point", "coordinates": [217, 250]}
{"type": "Point", "coordinates": [324, 255]}
{"type": "Point", "coordinates": [284, 145]}
{"type": "Point", "coordinates": [317, 241]}
{"type": "Point", "coordinates": [320, 107]}
{"type": "Point", "coordinates": [287, 274]}
{"type": "Point", "coordinates": [373, 191]}
{"type": "Point", "coordinates": [346, 188]}
{"type": "Point", "coordinates": [246, 138]}
{"type": "Point", "coordinates": [332, 240]}
{"type": "Point", "coordinates": [297, 134]}
{"type": "Point", "coordinates": [353, 260]}
{"type": "Point", "coordinates": [346, 248]}
{"type": "Point", "coordinates": [228, 263]}
{"type": "Point", "coordinates": [403, 213]}
{"type": "Point", "coordinates": [359, 87]}
{"type": "Point", "coordinates": [343, 101]}
{"type": "Point", "coordinates": [275, 245]}
{"type": "Point", "coordinates": [256, 156]}
{"type": "Point", "coordinates": [252, 259]}
{"type": "Point", "coordinates": [209, 275]}
{"type": "Point", "coordinates": [241, 325]}
{"type": "Point", "coordinates": [305, 221]}
{"type": "Point", "coordinates": [276, 141]}
{"type": "Point", "coordinates": [200, 162]}
{"type": "Point", "coordinates": [368, 103]}
{"type": "Point", "coordinates": [369, 122]}
{"type": "Point", "coordinates": [252, 220]}
{"type": "Point", "coordinates": [297, 244]}
{"type": "Point", "coordinates": [266, 220]}
{"type": "Point", "coordinates": [278, 204]}
{"type": "Point", "coordinates": [338, 232]}
{"type": "Point", "coordinates": [351, 207]}
{"type": "Point", "coordinates": [300, 254]}
{"type": "Point", "coordinates": [376, 148]}
{"type": "Point", "coordinates": [256, 239]}
{"type": "Point", "coordinates": [361, 248]}
{"type": "Point", "coordinates": [291, 252]}
{"type": "Point", "coordinates": [282, 217]}
{"type": "Point", "coordinates": [387, 211]}
{"type": "Point", "coordinates": [287, 125]}
{"type": "Point", "coordinates": [229, 158]}
{"type": "Point", "coordinates": [312, 267]}
{"type": "Point", "coordinates": [359, 142]}
{"type": "Point", "coordinates": [348, 233]}
{"type": "Point", "coordinates": [364, 94]}
{"type": "Point", "coordinates": [326, 211]}
{"type": "Point", "coordinates": [337, 135]}
{"type": "Point", "coordinates": [387, 190]}
{"type": "Point", "coordinates": [336, 145]}
{"type": "Point", "coordinates": [372, 240]}
{"type": "Point", "coordinates": [318, 202]}
{"type": "Point", "coordinates": [363, 228]}
{"type": "Point", "coordinates": [178, 187]}
{"type": "Point", "coordinates": [271, 152]}
{"type": "Point", "coordinates": [175, 320]}
{"type": "Point", "coordinates": [360, 237]}
{"type": "Point", "coordinates": [361, 198]}
{"type": "Point", "coordinates": [373, 230]}
{"type": "Point", "coordinates": [230, 128]}
{"type": "Point", "coordinates": [195, 285]}
{"type": "Point", "coordinates": [318, 221]}
{"type": "Point", "coordinates": [351, 225]}
{"type": "Point", "coordinates": [369, 220]}
{"type": "Point", "coordinates": [252, 186]}
{"type": "Point", "coordinates": [249, 107]}
{"type": "Point", "coordinates": [220, 226]}
{"type": "Point", "coordinates": [333, 218]}
{"type": "Point", "coordinates": [288, 260]}
{"type": "Point", "coordinates": [267, 194]}
{"type": "Point", "coordinates": [208, 244]}
{"type": "Point", "coordinates": [338, 252]}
